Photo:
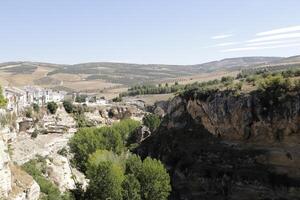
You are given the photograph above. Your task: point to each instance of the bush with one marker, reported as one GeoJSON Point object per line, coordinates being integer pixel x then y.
{"type": "Point", "coordinates": [36, 108]}
{"type": "Point", "coordinates": [117, 99]}
{"type": "Point", "coordinates": [28, 113]}
{"type": "Point", "coordinates": [80, 98]}
{"type": "Point", "coordinates": [34, 134]}
{"type": "Point", "coordinates": [152, 121]}
{"type": "Point", "coordinates": [81, 121]}
{"type": "Point", "coordinates": [277, 82]}
{"type": "Point", "coordinates": [52, 107]}
{"type": "Point", "coordinates": [227, 80]}
{"type": "Point", "coordinates": [63, 152]}
{"type": "Point", "coordinates": [68, 106]}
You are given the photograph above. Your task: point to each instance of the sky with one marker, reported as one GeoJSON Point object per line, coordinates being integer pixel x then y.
{"type": "Point", "coordinates": [153, 31]}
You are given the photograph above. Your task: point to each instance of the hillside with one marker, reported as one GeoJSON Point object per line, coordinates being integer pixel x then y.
{"type": "Point", "coordinates": [106, 75]}
{"type": "Point", "coordinates": [231, 143]}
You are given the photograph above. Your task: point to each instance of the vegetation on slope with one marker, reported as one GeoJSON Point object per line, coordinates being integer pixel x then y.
{"type": "Point", "coordinates": [37, 169]}
{"type": "Point", "coordinates": [3, 100]}
{"type": "Point", "coordinates": [114, 173]}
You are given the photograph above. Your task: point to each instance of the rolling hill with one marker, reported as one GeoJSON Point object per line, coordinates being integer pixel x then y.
{"type": "Point", "coordinates": [105, 75]}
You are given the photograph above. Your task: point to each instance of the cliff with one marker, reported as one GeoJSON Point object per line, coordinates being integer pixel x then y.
{"type": "Point", "coordinates": [225, 145]}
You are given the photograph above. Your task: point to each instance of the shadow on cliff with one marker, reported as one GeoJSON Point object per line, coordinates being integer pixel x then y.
{"type": "Point", "coordinates": [202, 166]}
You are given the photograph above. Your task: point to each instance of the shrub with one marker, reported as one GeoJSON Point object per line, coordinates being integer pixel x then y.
{"type": "Point", "coordinates": [117, 99]}
{"type": "Point", "coordinates": [68, 106]}
{"type": "Point", "coordinates": [80, 98]}
{"type": "Point", "coordinates": [34, 134]}
{"type": "Point", "coordinates": [226, 80]}
{"type": "Point", "coordinates": [63, 152]}
{"type": "Point", "coordinates": [52, 107]}
{"type": "Point", "coordinates": [36, 107]}
{"type": "Point", "coordinates": [28, 113]}
{"type": "Point", "coordinates": [277, 82]}
{"type": "Point", "coordinates": [81, 121]}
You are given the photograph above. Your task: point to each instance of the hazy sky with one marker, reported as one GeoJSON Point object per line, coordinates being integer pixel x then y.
{"type": "Point", "coordinates": [152, 31]}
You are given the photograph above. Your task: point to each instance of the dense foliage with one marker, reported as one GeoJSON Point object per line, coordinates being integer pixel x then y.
{"type": "Point", "coordinates": [87, 140]}
{"type": "Point", "coordinates": [52, 107]}
{"type": "Point", "coordinates": [114, 173]}
{"type": "Point", "coordinates": [152, 121]}
{"type": "Point", "coordinates": [152, 89]}
{"type": "Point", "coordinates": [126, 177]}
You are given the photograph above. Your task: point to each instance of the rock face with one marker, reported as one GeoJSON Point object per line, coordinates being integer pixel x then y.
{"type": "Point", "coordinates": [23, 187]}
{"type": "Point", "coordinates": [228, 146]}
{"type": "Point", "coordinates": [248, 117]}
{"type": "Point", "coordinates": [5, 173]}
{"type": "Point", "coordinates": [26, 148]}
{"type": "Point", "coordinates": [60, 172]}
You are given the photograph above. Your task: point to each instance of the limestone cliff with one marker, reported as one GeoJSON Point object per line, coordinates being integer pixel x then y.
{"type": "Point", "coordinates": [5, 173]}
{"type": "Point", "coordinates": [230, 146]}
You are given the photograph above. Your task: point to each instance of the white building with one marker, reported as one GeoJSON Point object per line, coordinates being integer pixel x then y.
{"type": "Point", "coordinates": [16, 98]}
{"type": "Point", "coordinates": [42, 96]}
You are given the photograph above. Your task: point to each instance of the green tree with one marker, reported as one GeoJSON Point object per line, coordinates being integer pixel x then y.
{"type": "Point", "coordinates": [3, 100]}
{"type": "Point", "coordinates": [84, 143]}
{"type": "Point", "coordinates": [154, 180]}
{"type": "Point", "coordinates": [131, 188]}
{"type": "Point", "coordinates": [68, 106]}
{"type": "Point", "coordinates": [105, 181]}
{"type": "Point", "coordinates": [52, 107]}
{"type": "Point", "coordinates": [152, 121]}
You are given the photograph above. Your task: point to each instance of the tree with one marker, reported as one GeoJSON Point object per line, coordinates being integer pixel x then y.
{"type": "Point", "coordinates": [84, 143]}
{"type": "Point", "coordinates": [68, 106]}
{"type": "Point", "coordinates": [154, 180]}
{"type": "Point", "coordinates": [131, 188]}
{"type": "Point", "coordinates": [105, 181]}
{"type": "Point", "coordinates": [3, 100]}
{"type": "Point", "coordinates": [52, 107]}
{"type": "Point", "coordinates": [152, 121]}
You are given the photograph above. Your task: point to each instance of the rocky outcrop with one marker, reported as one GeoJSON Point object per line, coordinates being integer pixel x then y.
{"type": "Point", "coordinates": [249, 117]}
{"type": "Point", "coordinates": [61, 122]}
{"type": "Point", "coordinates": [230, 146]}
{"type": "Point", "coordinates": [5, 173]}
{"type": "Point", "coordinates": [23, 185]}
{"type": "Point", "coordinates": [26, 148]}
{"type": "Point", "coordinates": [60, 172]}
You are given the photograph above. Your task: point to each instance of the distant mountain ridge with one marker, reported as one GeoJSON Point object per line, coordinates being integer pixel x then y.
{"type": "Point", "coordinates": [20, 73]}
